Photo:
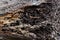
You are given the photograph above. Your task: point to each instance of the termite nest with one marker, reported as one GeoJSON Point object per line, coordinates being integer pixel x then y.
{"type": "Point", "coordinates": [36, 14]}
